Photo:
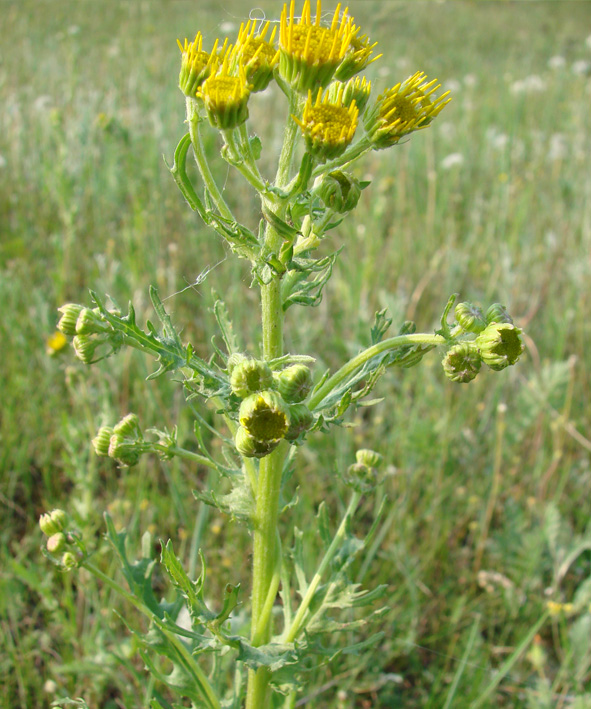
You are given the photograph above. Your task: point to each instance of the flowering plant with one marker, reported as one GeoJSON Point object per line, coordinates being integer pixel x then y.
{"type": "Point", "coordinates": [270, 401]}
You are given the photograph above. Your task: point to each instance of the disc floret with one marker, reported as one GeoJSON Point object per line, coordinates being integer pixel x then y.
{"type": "Point", "coordinates": [258, 55]}
{"type": "Point", "coordinates": [404, 108]}
{"type": "Point", "coordinates": [310, 53]}
{"type": "Point", "coordinates": [226, 97]}
{"type": "Point", "coordinates": [328, 125]}
{"type": "Point", "coordinates": [196, 64]}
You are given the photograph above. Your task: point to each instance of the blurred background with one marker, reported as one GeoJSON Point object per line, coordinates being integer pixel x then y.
{"type": "Point", "coordinates": [488, 523]}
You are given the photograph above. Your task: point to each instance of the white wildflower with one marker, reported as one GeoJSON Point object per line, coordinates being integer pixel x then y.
{"type": "Point", "coordinates": [581, 67]}
{"type": "Point", "coordinates": [556, 62]}
{"type": "Point", "coordinates": [452, 160]}
{"type": "Point", "coordinates": [530, 85]}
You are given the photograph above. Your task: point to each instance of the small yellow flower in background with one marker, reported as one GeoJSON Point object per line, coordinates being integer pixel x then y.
{"type": "Point", "coordinates": [406, 107]}
{"type": "Point", "coordinates": [311, 52]}
{"type": "Point", "coordinates": [258, 55]}
{"type": "Point", "coordinates": [357, 57]}
{"type": "Point", "coordinates": [56, 343]}
{"type": "Point", "coordinates": [197, 65]}
{"type": "Point", "coordinates": [328, 126]}
{"type": "Point", "coordinates": [226, 97]}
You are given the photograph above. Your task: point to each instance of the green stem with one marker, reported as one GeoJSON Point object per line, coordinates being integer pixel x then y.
{"type": "Point", "coordinates": [266, 553]}
{"type": "Point", "coordinates": [353, 364]}
{"type": "Point", "coordinates": [235, 158]}
{"type": "Point", "coordinates": [206, 174]}
{"type": "Point", "coordinates": [336, 543]}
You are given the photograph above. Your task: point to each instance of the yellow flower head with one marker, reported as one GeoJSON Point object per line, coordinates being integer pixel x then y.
{"type": "Point", "coordinates": [226, 97]}
{"type": "Point", "coordinates": [328, 125]}
{"type": "Point", "coordinates": [403, 109]}
{"type": "Point", "coordinates": [258, 55]}
{"type": "Point", "coordinates": [357, 58]}
{"type": "Point", "coordinates": [55, 343]}
{"type": "Point", "coordinates": [311, 52]}
{"type": "Point", "coordinates": [197, 65]}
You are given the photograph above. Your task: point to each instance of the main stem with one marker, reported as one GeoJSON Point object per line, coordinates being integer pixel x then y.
{"type": "Point", "coordinates": [266, 553]}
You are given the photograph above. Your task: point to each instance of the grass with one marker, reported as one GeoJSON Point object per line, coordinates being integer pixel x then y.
{"type": "Point", "coordinates": [489, 485]}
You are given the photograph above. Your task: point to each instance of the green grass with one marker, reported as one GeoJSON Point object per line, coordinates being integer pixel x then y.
{"type": "Point", "coordinates": [89, 106]}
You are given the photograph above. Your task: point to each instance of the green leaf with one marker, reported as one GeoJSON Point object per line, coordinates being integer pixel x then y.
{"type": "Point", "coordinates": [192, 591]}
{"type": "Point", "coordinates": [380, 325]}
{"type": "Point", "coordinates": [225, 324]}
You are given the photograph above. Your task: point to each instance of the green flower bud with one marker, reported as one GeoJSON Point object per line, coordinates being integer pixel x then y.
{"type": "Point", "coordinates": [300, 420]}
{"type": "Point", "coordinates": [339, 191]}
{"type": "Point", "coordinates": [129, 426]}
{"type": "Point", "coordinates": [369, 458]}
{"type": "Point", "coordinates": [85, 346]}
{"type": "Point", "coordinates": [234, 360]}
{"type": "Point", "coordinates": [124, 453]}
{"type": "Point", "coordinates": [462, 362]}
{"type": "Point", "coordinates": [361, 478]}
{"type": "Point", "coordinates": [356, 58]}
{"type": "Point", "coordinates": [89, 322]}
{"type": "Point", "coordinates": [71, 560]}
{"type": "Point", "coordinates": [67, 323]}
{"type": "Point", "coordinates": [498, 313]}
{"type": "Point", "coordinates": [500, 345]}
{"type": "Point", "coordinates": [470, 317]}
{"type": "Point", "coordinates": [249, 447]}
{"type": "Point", "coordinates": [53, 522]}
{"type": "Point", "coordinates": [56, 543]}
{"type": "Point", "coordinates": [265, 416]}
{"type": "Point", "coordinates": [251, 376]}
{"type": "Point", "coordinates": [101, 441]}
{"type": "Point", "coordinates": [294, 383]}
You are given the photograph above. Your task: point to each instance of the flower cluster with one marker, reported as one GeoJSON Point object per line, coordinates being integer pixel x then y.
{"type": "Point", "coordinates": [498, 342]}
{"type": "Point", "coordinates": [272, 407]}
{"type": "Point", "coordinates": [314, 58]}
{"type": "Point", "coordinates": [64, 545]}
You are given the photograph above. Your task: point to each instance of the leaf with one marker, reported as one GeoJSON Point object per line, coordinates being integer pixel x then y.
{"type": "Point", "coordinates": [238, 503]}
{"type": "Point", "coordinates": [192, 591]}
{"type": "Point", "coordinates": [380, 325]}
{"type": "Point", "coordinates": [256, 146]}
{"type": "Point", "coordinates": [225, 324]}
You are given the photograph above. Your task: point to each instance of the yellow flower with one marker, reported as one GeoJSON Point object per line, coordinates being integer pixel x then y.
{"type": "Point", "coordinates": [357, 89]}
{"type": "Point", "coordinates": [328, 126]}
{"type": "Point", "coordinates": [197, 65]}
{"type": "Point", "coordinates": [226, 97]}
{"type": "Point", "coordinates": [406, 107]}
{"type": "Point", "coordinates": [357, 57]}
{"type": "Point", "coordinates": [55, 343]}
{"type": "Point", "coordinates": [310, 53]}
{"type": "Point", "coordinates": [258, 55]}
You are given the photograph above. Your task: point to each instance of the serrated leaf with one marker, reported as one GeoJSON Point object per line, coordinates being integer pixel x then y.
{"type": "Point", "coordinates": [192, 591]}
{"type": "Point", "coordinates": [380, 325]}
{"type": "Point", "coordinates": [225, 324]}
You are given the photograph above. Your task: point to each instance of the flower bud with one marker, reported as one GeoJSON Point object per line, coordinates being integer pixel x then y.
{"type": "Point", "coordinates": [300, 420]}
{"type": "Point", "coordinates": [56, 543]}
{"type": "Point", "coordinates": [85, 346]}
{"type": "Point", "coordinates": [462, 362]}
{"type": "Point", "coordinates": [370, 458]}
{"type": "Point", "coordinates": [89, 322]}
{"type": "Point", "coordinates": [53, 522]}
{"type": "Point", "coordinates": [470, 317]}
{"type": "Point", "coordinates": [500, 345]}
{"type": "Point", "coordinates": [249, 447]}
{"type": "Point", "coordinates": [251, 376]}
{"type": "Point", "coordinates": [234, 360]}
{"type": "Point", "coordinates": [339, 191]}
{"type": "Point", "coordinates": [264, 416]}
{"type": "Point", "coordinates": [356, 58]}
{"type": "Point", "coordinates": [123, 452]}
{"type": "Point", "coordinates": [67, 322]}
{"type": "Point", "coordinates": [102, 440]}
{"type": "Point", "coordinates": [361, 478]}
{"type": "Point", "coordinates": [71, 560]}
{"type": "Point", "coordinates": [294, 383]}
{"type": "Point", "coordinates": [498, 313]}
{"type": "Point", "coordinates": [129, 426]}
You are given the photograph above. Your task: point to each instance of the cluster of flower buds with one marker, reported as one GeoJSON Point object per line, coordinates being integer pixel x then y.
{"type": "Point", "coordinates": [319, 59]}
{"type": "Point", "coordinates": [498, 342]}
{"type": "Point", "coordinates": [272, 407]}
{"type": "Point", "coordinates": [123, 442]}
{"type": "Point", "coordinates": [364, 475]}
{"type": "Point", "coordinates": [63, 545]}
{"type": "Point", "coordinates": [88, 328]}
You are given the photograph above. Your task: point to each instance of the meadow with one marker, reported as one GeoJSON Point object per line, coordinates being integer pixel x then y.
{"type": "Point", "coordinates": [486, 542]}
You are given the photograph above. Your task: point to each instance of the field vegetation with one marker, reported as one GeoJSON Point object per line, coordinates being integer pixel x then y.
{"type": "Point", "coordinates": [486, 544]}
